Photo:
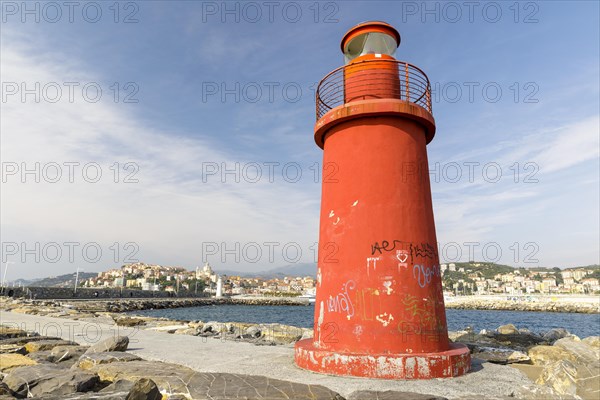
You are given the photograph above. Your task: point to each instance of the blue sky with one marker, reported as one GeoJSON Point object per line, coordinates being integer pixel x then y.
{"type": "Point", "coordinates": [533, 68]}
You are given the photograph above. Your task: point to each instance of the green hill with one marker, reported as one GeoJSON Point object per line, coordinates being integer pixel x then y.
{"type": "Point", "coordinates": [67, 280]}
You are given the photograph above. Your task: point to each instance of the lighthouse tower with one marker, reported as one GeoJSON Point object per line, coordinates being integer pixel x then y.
{"type": "Point", "coordinates": [379, 308]}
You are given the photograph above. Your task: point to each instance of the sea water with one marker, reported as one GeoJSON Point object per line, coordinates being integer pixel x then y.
{"type": "Point", "coordinates": [582, 325]}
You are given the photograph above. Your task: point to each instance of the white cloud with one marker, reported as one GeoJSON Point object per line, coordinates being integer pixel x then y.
{"type": "Point", "coordinates": [570, 145]}
{"type": "Point", "coordinates": [550, 198]}
{"type": "Point", "coordinates": [169, 213]}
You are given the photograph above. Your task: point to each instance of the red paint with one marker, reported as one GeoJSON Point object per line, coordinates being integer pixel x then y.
{"type": "Point", "coordinates": [379, 309]}
{"type": "Point", "coordinates": [371, 80]}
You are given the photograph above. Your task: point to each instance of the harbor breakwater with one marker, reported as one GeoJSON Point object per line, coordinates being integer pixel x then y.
{"type": "Point", "coordinates": [131, 300]}
{"type": "Point", "coordinates": [54, 293]}
{"type": "Point", "coordinates": [142, 304]}
{"type": "Point", "coordinates": [125, 305]}
{"type": "Point", "coordinates": [585, 306]}
{"type": "Point", "coordinates": [541, 303]}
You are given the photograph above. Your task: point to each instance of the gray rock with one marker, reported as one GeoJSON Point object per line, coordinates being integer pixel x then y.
{"type": "Point", "coordinates": [88, 396]}
{"type": "Point", "coordinates": [5, 391]}
{"type": "Point", "coordinates": [554, 334]}
{"type": "Point", "coordinates": [64, 353]}
{"type": "Point", "coordinates": [391, 395]}
{"type": "Point", "coordinates": [44, 345]}
{"type": "Point", "coordinates": [583, 352]}
{"type": "Point", "coordinates": [12, 348]}
{"type": "Point", "coordinates": [561, 376]}
{"type": "Point", "coordinates": [588, 381]}
{"type": "Point", "coordinates": [144, 389]}
{"type": "Point", "coordinates": [573, 378]}
{"type": "Point", "coordinates": [88, 361]}
{"type": "Point", "coordinates": [41, 356]}
{"type": "Point", "coordinates": [115, 343]}
{"type": "Point", "coordinates": [121, 385]}
{"type": "Point", "coordinates": [538, 392]}
{"type": "Point", "coordinates": [280, 334]}
{"type": "Point", "coordinates": [518, 340]}
{"type": "Point", "coordinates": [508, 329]}
{"type": "Point", "coordinates": [253, 331]}
{"type": "Point", "coordinates": [44, 379]}
{"type": "Point", "coordinates": [186, 331]}
{"type": "Point", "coordinates": [593, 341]}
{"type": "Point", "coordinates": [467, 337]}
{"type": "Point", "coordinates": [500, 356]}
{"type": "Point", "coordinates": [215, 327]}
{"type": "Point", "coordinates": [7, 332]}
{"type": "Point", "coordinates": [25, 340]}
{"type": "Point", "coordinates": [128, 321]}
{"type": "Point", "coordinates": [307, 333]}
{"type": "Point", "coordinates": [176, 379]}
{"type": "Point", "coordinates": [544, 355]}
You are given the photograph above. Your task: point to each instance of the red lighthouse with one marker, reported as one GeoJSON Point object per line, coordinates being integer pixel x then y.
{"type": "Point", "coordinates": [379, 308]}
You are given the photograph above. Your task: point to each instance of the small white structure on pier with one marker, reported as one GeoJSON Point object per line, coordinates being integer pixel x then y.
{"type": "Point", "coordinates": [219, 287]}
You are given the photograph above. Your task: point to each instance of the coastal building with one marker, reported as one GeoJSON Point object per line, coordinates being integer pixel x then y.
{"type": "Point", "coordinates": [549, 285]}
{"type": "Point", "coordinates": [119, 282]}
{"type": "Point", "coordinates": [150, 286]}
{"type": "Point", "coordinates": [579, 274]}
{"type": "Point", "coordinates": [568, 281]}
{"type": "Point", "coordinates": [206, 272]}
{"type": "Point", "coordinates": [591, 285]}
{"type": "Point", "coordinates": [130, 283]}
{"type": "Point", "coordinates": [481, 286]}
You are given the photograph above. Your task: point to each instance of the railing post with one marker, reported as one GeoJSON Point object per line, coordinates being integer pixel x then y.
{"type": "Point", "coordinates": [406, 82]}
{"type": "Point", "coordinates": [429, 98]}
{"type": "Point", "coordinates": [317, 103]}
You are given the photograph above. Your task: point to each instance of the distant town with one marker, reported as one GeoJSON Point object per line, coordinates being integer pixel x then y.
{"type": "Point", "coordinates": [203, 279]}
{"type": "Point", "coordinates": [458, 279]}
{"type": "Point", "coordinates": [489, 278]}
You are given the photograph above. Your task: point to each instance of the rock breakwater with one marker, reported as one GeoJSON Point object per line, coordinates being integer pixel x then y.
{"type": "Point", "coordinates": [591, 305]}
{"type": "Point", "coordinates": [125, 305]}
{"type": "Point", "coordinates": [107, 371]}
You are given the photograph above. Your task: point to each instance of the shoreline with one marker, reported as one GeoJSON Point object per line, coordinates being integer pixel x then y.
{"type": "Point", "coordinates": [558, 304]}
{"type": "Point", "coordinates": [588, 305]}
{"type": "Point", "coordinates": [129, 305]}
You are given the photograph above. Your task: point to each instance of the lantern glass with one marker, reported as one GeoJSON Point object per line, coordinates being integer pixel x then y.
{"type": "Point", "coordinates": [370, 43]}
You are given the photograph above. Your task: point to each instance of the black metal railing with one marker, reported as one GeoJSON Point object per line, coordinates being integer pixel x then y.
{"type": "Point", "coordinates": [373, 79]}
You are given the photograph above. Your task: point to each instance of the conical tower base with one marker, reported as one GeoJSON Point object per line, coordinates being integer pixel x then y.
{"type": "Point", "coordinates": [453, 362]}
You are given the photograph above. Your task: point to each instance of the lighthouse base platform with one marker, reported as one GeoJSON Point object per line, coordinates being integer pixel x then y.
{"type": "Point", "coordinates": [454, 362]}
